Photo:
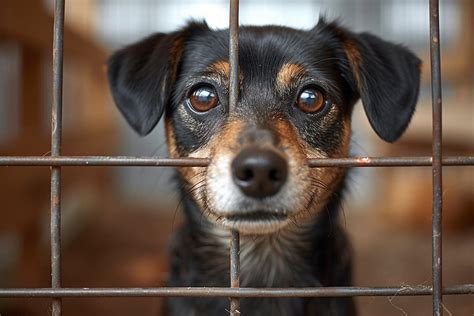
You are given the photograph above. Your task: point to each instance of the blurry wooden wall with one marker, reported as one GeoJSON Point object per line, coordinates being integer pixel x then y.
{"type": "Point", "coordinates": [88, 125]}
{"type": "Point", "coordinates": [407, 193]}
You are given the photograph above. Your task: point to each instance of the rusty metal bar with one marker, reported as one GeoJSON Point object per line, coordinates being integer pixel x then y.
{"type": "Point", "coordinates": [84, 161]}
{"type": "Point", "coordinates": [126, 161]}
{"type": "Point", "coordinates": [464, 289]}
{"type": "Point", "coordinates": [234, 53]}
{"type": "Point", "coordinates": [233, 99]}
{"type": "Point", "coordinates": [435, 55]}
{"type": "Point", "coordinates": [56, 128]}
{"type": "Point", "coordinates": [56, 161]}
{"type": "Point", "coordinates": [389, 161]}
{"type": "Point", "coordinates": [234, 271]}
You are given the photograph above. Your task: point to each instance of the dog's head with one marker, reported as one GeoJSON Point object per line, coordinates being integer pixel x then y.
{"type": "Point", "coordinates": [297, 91]}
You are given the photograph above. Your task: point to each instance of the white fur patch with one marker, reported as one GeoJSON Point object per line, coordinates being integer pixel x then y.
{"type": "Point", "coordinates": [224, 198]}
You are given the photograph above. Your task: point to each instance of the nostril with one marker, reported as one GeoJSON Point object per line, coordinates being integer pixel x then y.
{"type": "Point", "coordinates": [274, 175]}
{"type": "Point", "coordinates": [245, 174]}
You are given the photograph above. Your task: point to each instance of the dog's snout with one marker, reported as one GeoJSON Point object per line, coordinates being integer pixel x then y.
{"type": "Point", "coordinates": [259, 172]}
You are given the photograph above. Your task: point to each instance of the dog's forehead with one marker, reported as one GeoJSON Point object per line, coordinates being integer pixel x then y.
{"type": "Point", "coordinates": [263, 51]}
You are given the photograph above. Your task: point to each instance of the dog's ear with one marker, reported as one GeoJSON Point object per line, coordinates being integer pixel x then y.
{"type": "Point", "coordinates": [141, 75]}
{"type": "Point", "coordinates": [388, 80]}
{"type": "Point", "coordinates": [386, 76]}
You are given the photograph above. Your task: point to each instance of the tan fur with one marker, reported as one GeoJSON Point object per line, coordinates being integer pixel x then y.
{"type": "Point", "coordinates": [170, 139]}
{"type": "Point", "coordinates": [196, 176]}
{"type": "Point", "coordinates": [300, 151]}
{"type": "Point", "coordinates": [220, 71]}
{"type": "Point", "coordinates": [287, 74]}
{"type": "Point", "coordinates": [221, 67]}
{"type": "Point", "coordinates": [176, 52]}
{"type": "Point", "coordinates": [355, 60]}
{"type": "Point", "coordinates": [191, 175]}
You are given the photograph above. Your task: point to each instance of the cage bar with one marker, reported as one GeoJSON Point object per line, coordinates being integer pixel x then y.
{"type": "Point", "coordinates": [463, 289]}
{"type": "Point", "coordinates": [435, 55]}
{"type": "Point", "coordinates": [233, 97]}
{"type": "Point", "coordinates": [235, 271]}
{"type": "Point", "coordinates": [56, 128]}
{"type": "Point", "coordinates": [436, 161]}
{"type": "Point", "coordinates": [94, 161]}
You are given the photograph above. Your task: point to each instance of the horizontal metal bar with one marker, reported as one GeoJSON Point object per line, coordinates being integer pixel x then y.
{"type": "Point", "coordinates": [127, 161]}
{"type": "Point", "coordinates": [465, 289]}
{"type": "Point", "coordinates": [389, 161]}
{"type": "Point", "coordinates": [102, 161]}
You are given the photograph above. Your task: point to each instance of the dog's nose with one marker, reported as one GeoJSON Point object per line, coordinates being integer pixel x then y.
{"type": "Point", "coordinates": [259, 172]}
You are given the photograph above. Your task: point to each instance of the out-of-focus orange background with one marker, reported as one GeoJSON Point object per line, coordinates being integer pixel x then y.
{"type": "Point", "coordinates": [116, 221]}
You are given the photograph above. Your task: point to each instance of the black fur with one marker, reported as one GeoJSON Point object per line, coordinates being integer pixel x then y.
{"type": "Point", "coordinates": [391, 76]}
{"type": "Point", "coordinates": [141, 77]}
{"type": "Point", "coordinates": [156, 75]}
{"type": "Point", "coordinates": [199, 259]}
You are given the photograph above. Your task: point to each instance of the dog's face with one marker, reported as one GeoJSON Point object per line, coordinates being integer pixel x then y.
{"type": "Point", "coordinates": [297, 91]}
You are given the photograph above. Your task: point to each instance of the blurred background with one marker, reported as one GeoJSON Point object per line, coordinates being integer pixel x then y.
{"type": "Point", "coordinates": [116, 221]}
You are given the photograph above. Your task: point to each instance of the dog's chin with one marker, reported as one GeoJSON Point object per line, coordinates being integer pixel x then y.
{"type": "Point", "coordinates": [255, 223]}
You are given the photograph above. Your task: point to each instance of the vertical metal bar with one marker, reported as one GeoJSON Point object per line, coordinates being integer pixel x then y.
{"type": "Point", "coordinates": [233, 97]}
{"type": "Point", "coordinates": [234, 52]}
{"type": "Point", "coordinates": [437, 155]}
{"type": "Point", "coordinates": [56, 127]}
{"type": "Point", "coordinates": [235, 271]}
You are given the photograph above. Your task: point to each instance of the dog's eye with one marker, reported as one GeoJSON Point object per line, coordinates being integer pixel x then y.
{"type": "Point", "coordinates": [310, 100]}
{"type": "Point", "coordinates": [203, 98]}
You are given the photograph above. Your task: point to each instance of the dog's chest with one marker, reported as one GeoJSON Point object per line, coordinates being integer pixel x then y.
{"type": "Point", "coordinates": [279, 260]}
{"type": "Point", "coordinates": [288, 259]}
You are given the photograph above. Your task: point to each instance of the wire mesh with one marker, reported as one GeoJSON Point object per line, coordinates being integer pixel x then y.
{"type": "Point", "coordinates": [234, 292]}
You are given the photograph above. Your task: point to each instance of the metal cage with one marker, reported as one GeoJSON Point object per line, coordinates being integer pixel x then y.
{"type": "Point", "coordinates": [56, 161]}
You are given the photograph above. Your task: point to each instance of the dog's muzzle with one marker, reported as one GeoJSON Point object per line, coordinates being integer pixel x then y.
{"type": "Point", "coordinates": [250, 191]}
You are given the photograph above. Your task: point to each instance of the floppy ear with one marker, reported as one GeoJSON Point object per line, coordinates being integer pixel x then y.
{"type": "Point", "coordinates": [387, 78]}
{"type": "Point", "coordinates": [141, 76]}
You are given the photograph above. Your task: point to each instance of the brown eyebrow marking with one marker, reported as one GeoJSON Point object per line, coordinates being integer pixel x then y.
{"type": "Point", "coordinates": [221, 67]}
{"type": "Point", "coordinates": [355, 60]}
{"type": "Point", "coordinates": [287, 74]}
{"type": "Point", "coordinates": [353, 55]}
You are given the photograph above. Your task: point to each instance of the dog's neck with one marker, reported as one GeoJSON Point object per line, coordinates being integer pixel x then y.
{"type": "Point", "coordinates": [282, 259]}
{"type": "Point", "coordinates": [265, 259]}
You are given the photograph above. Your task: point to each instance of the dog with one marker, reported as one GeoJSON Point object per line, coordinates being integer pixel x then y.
{"type": "Point", "coordinates": [297, 92]}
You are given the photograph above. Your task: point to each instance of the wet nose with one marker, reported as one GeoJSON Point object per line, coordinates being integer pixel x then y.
{"type": "Point", "coordinates": [259, 172]}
